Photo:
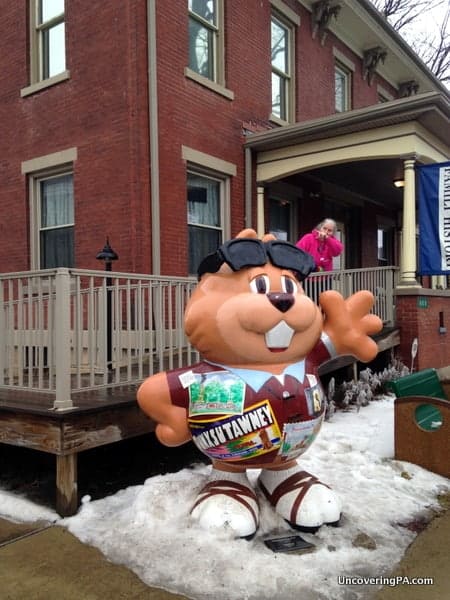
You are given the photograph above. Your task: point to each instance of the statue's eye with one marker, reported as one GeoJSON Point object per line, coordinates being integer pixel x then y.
{"type": "Point", "coordinates": [260, 285]}
{"type": "Point", "coordinates": [288, 285]}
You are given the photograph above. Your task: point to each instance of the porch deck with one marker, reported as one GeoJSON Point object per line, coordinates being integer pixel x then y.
{"type": "Point", "coordinates": [99, 417]}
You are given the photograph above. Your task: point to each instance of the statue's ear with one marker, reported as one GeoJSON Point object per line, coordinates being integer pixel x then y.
{"type": "Point", "coordinates": [247, 233]}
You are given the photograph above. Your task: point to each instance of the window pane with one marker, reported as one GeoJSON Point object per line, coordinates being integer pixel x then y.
{"type": "Point", "coordinates": [202, 241]}
{"type": "Point", "coordinates": [203, 201]}
{"type": "Point", "coordinates": [280, 218]}
{"type": "Point", "coordinates": [49, 9]}
{"type": "Point", "coordinates": [279, 47]}
{"type": "Point", "coordinates": [57, 248]}
{"type": "Point", "coordinates": [57, 201]}
{"type": "Point", "coordinates": [279, 99]}
{"type": "Point", "coordinates": [204, 218]}
{"type": "Point", "coordinates": [340, 90]}
{"type": "Point", "coordinates": [207, 9]}
{"type": "Point", "coordinates": [201, 59]}
{"type": "Point", "coordinates": [54, 50]}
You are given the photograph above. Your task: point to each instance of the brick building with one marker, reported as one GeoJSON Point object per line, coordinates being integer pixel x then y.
{"type": "Point", "coordinates": [169, 126]}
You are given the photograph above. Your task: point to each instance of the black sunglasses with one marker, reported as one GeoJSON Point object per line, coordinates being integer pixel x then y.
{"type": "Point", "coordinates": [240, 253]}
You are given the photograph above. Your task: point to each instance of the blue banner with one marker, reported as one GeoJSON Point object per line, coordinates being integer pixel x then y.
{"type": "Point", "coordinates": [434, 219]}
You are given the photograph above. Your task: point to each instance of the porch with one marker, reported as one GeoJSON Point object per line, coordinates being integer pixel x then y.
{"type": "Point", "coordinates": [76, 344]}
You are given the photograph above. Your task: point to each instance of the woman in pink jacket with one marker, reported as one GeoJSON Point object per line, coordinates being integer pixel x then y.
{"type": "Point", "coordinates": [322, 245]}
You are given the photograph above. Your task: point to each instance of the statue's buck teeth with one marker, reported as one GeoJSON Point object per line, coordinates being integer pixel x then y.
{"type": "Point", "coordinates": [279, 336]}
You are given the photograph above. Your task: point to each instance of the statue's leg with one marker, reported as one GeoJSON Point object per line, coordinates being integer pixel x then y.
{"type": "Point", "coordinates": [300, 498]}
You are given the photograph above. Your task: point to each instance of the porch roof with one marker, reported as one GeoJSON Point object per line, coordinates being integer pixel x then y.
{"type": "Point", "coordinates": [431, 110]}
{"type": "Point", "coordinates": [362, 149]}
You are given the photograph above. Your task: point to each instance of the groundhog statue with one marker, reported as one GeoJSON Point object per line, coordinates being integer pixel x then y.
{"type": "Point", "coordinates": [255, 401]}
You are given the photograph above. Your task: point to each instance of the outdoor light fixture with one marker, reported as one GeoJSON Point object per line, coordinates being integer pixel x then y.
{"type": "Point", "coordinates": [108, 255]}
{"type": "Point", "coordinates": [399, 183]}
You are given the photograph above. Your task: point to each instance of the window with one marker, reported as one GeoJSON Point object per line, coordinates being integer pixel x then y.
{"type": "Point", "coordinates": [281, 56]}
{"type": "Point", "coordinates": [281, 218]}
{"type": "Point", "coordinates": [204, 38]}
{"type": "Point", "coordinates": [342, 88]}
{"type": "Point", "coordinates": [48, 48]}
{"type": "Point", "coordinates": [56, 222]}
{"type": "Point", "coordinates": [385, 237]}
{"type": "Point", "coordinates": [50, 182]}
{"type": "Point", "coordinates": [205, 216]}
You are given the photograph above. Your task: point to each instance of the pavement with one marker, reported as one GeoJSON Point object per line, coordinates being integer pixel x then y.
{"type": "Point", "coordinates": [39, 561]}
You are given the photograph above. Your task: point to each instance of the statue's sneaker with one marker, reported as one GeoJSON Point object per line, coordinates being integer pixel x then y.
{"type": "Point", "coordinates": [229, 502]}
{"type": "Point", "coordinates": [300, 498]}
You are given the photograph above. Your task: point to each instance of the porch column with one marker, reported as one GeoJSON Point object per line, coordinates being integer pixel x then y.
{"type": "Point", "coordinates": [260, 211]}
{"type": "Point", "coordinates": [61, 337]}
{"type": "Point", "coordinates": [408, 261]}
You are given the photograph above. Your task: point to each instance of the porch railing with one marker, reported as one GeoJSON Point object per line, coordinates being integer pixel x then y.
{"type": "Point", "coordinates": [64, 331]}
{"type": "Point", "coordinates": [381, 281]}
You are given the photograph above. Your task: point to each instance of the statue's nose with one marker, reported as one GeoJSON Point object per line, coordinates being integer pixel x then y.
{"type": "Point", "coordinates": [281, 301]}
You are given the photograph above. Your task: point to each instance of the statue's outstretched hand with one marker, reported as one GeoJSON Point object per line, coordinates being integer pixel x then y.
{"type": "Point", "coordinates": [349, 324]}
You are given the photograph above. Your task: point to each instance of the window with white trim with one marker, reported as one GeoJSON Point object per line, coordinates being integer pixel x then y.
{"type": "Point", "coordinates": [282, 39]}
{"type": "Point", "coordinates": [205, 52]}
{"type": "Point", "coordinates": [342, 87]}
{"type": "Point", "coordinates": [52, 205]}
{"type": "Point", "coordinates": [48, 45]}
{"type": "Point", "coordinates": [206, 199]}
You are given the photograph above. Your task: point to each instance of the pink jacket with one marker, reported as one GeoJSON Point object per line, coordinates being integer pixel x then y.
{"type": "Point", "coordinates": [321, 251]}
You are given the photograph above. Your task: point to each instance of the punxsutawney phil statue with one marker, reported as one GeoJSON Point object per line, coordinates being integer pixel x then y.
{"type": "Point", "coordinates": [255, 401]}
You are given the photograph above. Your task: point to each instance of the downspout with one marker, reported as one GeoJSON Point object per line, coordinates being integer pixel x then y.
{"type": "Point", "coordinates": [248, 187]}
{"type": "Point", "coordinates": [153, 137]}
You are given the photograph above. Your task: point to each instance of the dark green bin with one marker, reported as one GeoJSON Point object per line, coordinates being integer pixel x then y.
{"type": "Point", "coordinates": [422, 383]}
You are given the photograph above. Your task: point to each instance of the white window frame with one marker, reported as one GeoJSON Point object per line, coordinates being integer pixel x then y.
{"type": "Point", "coordinates": [38, 62]}
{"type": "Point", "coordinates": [346, 76]}
{"type": "Point", "coordinates": [215, 169]}
{"type": "Point", "coordinates": [217, 79]}
{"type": "Point", "coordinates": [287, 102]}
{"type": "Point", "coordinates": [37, 170]}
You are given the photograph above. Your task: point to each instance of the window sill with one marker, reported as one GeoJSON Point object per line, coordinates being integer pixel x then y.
{"type": "Point", "coordinates": [40, 85]}
{"type": "Point", "coordinates": [212, 85]}
{"type": "Point", "coordinates": [274, 119]}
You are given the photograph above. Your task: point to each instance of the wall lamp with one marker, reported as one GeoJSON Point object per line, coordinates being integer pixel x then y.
{"type": "Point", "coordinates": [399, 183]}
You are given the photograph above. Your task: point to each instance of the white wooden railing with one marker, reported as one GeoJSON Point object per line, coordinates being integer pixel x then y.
{"type": "Point", "coordinates": [64, 331]}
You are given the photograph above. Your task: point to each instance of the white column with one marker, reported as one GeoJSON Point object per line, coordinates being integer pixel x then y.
{"type": "Point", "coordinates": [260, 228]}
{"type": "Point", "coordinates": [61, 340]}
{"type": "Point", "coordinates": [408, 259]}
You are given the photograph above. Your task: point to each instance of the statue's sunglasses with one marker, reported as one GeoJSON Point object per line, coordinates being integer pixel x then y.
{"type": "Point", "coordinates": [240, 253]}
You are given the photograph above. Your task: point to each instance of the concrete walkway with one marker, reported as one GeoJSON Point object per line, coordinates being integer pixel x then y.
{"type": "Point", "coordinates": [41, 562]}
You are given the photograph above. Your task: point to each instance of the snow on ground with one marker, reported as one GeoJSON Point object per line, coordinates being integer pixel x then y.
{"type": "Point", "coordinates": [147, 527]}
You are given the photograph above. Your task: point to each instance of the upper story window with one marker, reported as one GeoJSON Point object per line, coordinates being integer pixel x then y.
{"type": "Point", "coordinates": [282, 40]}
{"type": "Point", "coordinates": [342, 88]}
{"type": "Point", "coordinates": [48, 47]}
{"type": "Point", "coordinates": [204, 38]}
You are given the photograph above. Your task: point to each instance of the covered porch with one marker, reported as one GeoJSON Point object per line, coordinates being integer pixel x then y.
{"type": "Point", "coordinates": [359, 169]}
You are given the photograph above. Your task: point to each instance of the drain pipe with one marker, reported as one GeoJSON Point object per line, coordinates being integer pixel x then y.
{"type": "Point", "coordinates": [153, 137]}
{"type": "Point", "coordinates": [248, 187]}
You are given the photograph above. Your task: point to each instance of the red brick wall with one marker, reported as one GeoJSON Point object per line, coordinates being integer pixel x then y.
{"type": "Point", "coordinates": [423, 324]}
{"type": "Point", "coordinates": [102, 110]}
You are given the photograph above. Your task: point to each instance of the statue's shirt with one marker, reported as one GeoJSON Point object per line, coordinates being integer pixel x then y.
{"type": "Point", "coordinates": [250, 415]}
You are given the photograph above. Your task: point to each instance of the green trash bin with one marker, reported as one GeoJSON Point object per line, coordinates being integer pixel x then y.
{"type": "Point", "coordinates": [422, 383]}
